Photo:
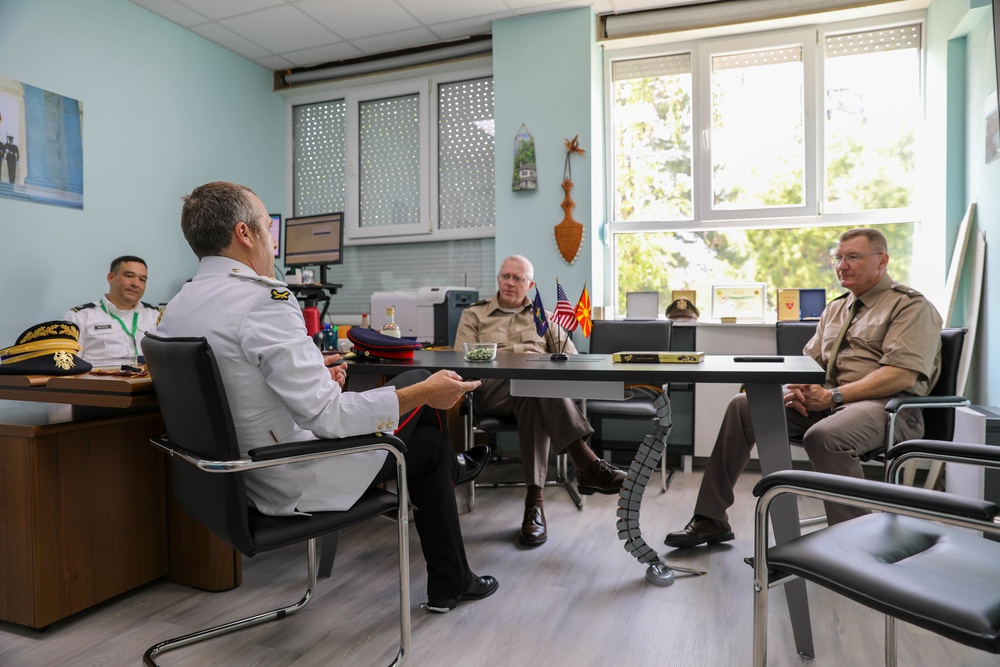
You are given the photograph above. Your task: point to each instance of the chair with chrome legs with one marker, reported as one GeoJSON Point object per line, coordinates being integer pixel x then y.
{"type": "Point", "coordinates": [493, 426]}
{"type": "Point", "coordinates": [608, 337]}
{"type": "Point", "coordinates": [907, 559]}
{"type": "Point", "coordinates": [208, 484]}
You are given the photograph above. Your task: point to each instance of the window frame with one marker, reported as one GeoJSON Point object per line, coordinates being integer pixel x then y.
{"type": "Point", "coordinates": [702, 44]}
{"type": "Point", "coordinates": [425, 83]}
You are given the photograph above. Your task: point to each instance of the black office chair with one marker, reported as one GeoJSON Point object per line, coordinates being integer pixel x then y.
{"type": "Point", "coordinates": [791, 337]}
{"type": "Point", "coordinates": [608, 337]}
{"type": "Point", "coordinates": [907, 560]}
{"type": "Point", "coordinates": [493, 426]}
{"type": "Point", "coordinates": [939, 405]}
{"type": "Point", "coordinates": [201, 442]}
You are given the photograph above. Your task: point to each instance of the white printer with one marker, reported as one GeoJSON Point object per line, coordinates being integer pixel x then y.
{"type": "Point", "coordinates": [428, 314]}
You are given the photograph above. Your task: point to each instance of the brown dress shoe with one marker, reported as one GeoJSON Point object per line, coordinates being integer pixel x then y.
{"type": "Point", "coordinates": [533, 532]}
{"type": "Point", "coordinates": [700, 530]}
{"type": "Point", "coordinates": [599, 477]}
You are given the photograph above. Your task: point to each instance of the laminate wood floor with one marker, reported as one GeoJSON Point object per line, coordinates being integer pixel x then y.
{"type": "Point", "coordinates": [580, 599]}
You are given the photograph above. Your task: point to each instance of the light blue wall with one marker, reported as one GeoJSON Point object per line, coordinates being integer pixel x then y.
{"type": "Point", "coordinates": [961, 74]}
{"type": "Point", "coordinates": [164, 110]}
{"type": "Point", "coordinates": [547, 73]}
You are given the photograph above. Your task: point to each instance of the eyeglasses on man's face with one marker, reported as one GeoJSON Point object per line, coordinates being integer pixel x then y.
{"type": "Point", "coordinates": [513, 277]}
{"type": "Point", "coordinates": [852, 258]}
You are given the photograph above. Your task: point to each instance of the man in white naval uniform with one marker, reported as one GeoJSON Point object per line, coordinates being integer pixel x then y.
{"type": "Point", "coordinates": [111, 328]}
{"type": "Point", "coordinates": [281, 388]}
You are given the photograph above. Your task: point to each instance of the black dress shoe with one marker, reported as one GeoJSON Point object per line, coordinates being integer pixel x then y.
{"type": "Point", "coordinates": [600, 477]}
{"type": "Point", "coordinates": [471, 463]}
{"type": "Point", "coordinates": [481, 587]}
{"type": "Point", "coordinates": [533, 529]}
{"type": "Point", "coordinates": [700, 530]}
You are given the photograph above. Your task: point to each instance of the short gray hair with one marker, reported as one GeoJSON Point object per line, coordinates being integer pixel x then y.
{"type": "Point", "coordinates": [526, 261]}
{"type": "Point", "coordinates": [210, 214]}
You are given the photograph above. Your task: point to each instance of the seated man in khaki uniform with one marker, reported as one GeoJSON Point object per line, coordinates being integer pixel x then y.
{"type": "Point", "coordinates": [879, 340]}
{"type": "Point", "coordinates": [507, 320]}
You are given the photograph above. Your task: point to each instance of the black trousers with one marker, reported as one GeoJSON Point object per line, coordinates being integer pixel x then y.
{"type": "Point", "coordinates": [430, 475]}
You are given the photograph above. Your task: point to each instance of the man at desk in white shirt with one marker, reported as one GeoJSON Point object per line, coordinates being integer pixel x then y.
{"type": "Point", "coordinates": [112, 327]}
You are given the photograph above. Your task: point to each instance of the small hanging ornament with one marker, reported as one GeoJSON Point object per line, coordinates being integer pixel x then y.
{"type": "Point", "coordinates": [569, 232]}
{"type": "Point", "coordinates": [525, 171]}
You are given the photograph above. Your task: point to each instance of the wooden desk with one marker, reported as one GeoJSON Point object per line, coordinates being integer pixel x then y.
{"type": "Point", "coordinates": [105, 391]}
{"type": "Point", "coordinates": [86, 507]}
{"type": "Point", "coordinates": [537, 375]}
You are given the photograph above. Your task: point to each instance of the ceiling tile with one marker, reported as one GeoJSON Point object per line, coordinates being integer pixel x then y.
{"type": "Point", "coordinates": [396, 41]}
{"type": "Point", "coordinates": [378, 17]}
{"type": "Point", "coordinates": [477, 26]}
{"type": "Point", "coordinates": [173, 11]}
{"type": "Point", "coordinates": [274, 63]}
{"type": "Point", "coordinates": [281, 29]}
{"type": "Point", "coordinates": [220, 9]}
{"type": "Point", "coordinates": [442, 11]}
{"type": "Point", "coordinates": [230, 40]}
{"type": "Point", "coordinates": [322, 54]}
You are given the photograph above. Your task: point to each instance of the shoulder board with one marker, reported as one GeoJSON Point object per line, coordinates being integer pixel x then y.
{"type": "Point", "coordinates": [481, 302]}
{"type": "Point", "coordinates": [842, 296]}
{"type": "Point", "coordinates": [908, 291]}
{"type": "Point", "coordinates": [268, 282]}
{"type": "Point", "coordinates": [280, 295]}
{"type": "Point", "coordinates": [83, 306]}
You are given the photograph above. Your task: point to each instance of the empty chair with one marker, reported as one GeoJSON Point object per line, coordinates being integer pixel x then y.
{"type": "Point", "coordinates": [907, 560]}
{"type": "Point", "coordinates": [608, 337]}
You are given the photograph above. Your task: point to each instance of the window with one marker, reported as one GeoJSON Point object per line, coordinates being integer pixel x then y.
{"type": "Point", "coordinates": [724, 172]}
{"type": "Point", "coordinates": [411, 220]}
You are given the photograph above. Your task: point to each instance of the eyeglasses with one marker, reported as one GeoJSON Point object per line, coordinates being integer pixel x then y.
{"type": "Point", "coordinates": [853, 258]}
{"type": "Point", "coordinates": [520, 280]}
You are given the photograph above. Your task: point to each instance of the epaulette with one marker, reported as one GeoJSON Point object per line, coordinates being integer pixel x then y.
{"type": "Point", "coordinates": [83, 306]}
{"type": "Point", "coordinates": [908, 291]}
{"type": "Point", "coordinates": [481, 302]}
{"type": "Point", "coordinates": [842, 296]}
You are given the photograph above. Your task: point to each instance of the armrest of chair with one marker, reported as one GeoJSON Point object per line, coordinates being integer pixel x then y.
{"type": "Point", "coordinates": [879, 494]}
{"type": "Point", "coordinates": [284, 450]}
{"type": "Point", "coordinates": [960, 452]}
{"type": "Point", "coordinates": [896, 404]}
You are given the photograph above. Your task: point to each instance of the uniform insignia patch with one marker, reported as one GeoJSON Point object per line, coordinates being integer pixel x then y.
{"type": "Point", "coordinates": [280, 296]}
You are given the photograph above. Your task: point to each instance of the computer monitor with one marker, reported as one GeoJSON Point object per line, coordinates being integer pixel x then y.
{"type": "Point", "coordinates": [314, 240]}
{"type": "Point", "coordinates": [275, 229]}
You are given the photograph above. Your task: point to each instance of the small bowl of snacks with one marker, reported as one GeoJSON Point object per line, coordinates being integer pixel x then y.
{"type": "Point", "coordinates": [480, 351]}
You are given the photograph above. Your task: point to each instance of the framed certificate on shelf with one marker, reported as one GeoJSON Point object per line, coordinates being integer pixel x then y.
{"type": "Point", "coordinates": [745, 303]}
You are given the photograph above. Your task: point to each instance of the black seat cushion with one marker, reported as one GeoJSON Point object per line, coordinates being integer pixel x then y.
{"type": "Point", "coordinates": [636, 409]}
{"type": "Point", "coordinates": [496, 422]}
{"type": "Point", "coordinates": [273, 532]}
{"type": "Point", "coordinates": [939, 578]}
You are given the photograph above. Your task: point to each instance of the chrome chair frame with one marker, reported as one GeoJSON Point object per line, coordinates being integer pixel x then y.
{"type": "Point", "coordinates": [375, 502]}
{"type": "Point", "coordinates": [562, 478]}
{"type": "Point", "coordinates": [922, 504]}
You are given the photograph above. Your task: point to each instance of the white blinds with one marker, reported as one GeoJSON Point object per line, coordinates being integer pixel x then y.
{"type": "Point", "coordinates": [465, 154]}
{"type": "Point", "coordinates": [889, 39]}
{"type": "Point", "coordinates": [318, 157]}
{"type": "Point", "coordinates": [390, 161]}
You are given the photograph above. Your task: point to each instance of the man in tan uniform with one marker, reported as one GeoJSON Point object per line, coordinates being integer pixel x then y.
{"type": "Point", "coordinates": [888, 338]}
{"type": "Point", "coordinates": [507, 320]}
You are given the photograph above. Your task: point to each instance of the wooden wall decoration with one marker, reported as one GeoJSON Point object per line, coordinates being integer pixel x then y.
{"type": "Point", "coordinates": [569, 232]}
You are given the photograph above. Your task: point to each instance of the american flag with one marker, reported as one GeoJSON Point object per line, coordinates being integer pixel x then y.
{"type": "Point", "coordinates": [583, 312]}
{"type": "Point", "coordinates": [564, 315]}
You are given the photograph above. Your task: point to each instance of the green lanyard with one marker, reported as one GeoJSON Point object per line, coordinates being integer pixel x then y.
{"type": "Point", "coordinates": [135, 321]}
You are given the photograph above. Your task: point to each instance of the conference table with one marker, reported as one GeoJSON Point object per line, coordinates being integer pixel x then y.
{"type": "Point", "coordinates": [597, 376]}
{"type": "Point", "coordinates": [85, 503]}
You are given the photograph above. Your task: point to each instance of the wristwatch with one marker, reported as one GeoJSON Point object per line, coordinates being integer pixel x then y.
{"type": "Point", "coordinates": [838, 398]}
